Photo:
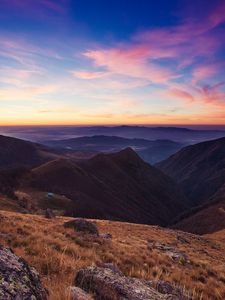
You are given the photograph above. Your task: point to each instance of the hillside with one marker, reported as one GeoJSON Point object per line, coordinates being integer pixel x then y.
{"type": "Point", "coordinates": [16, 153]}
{"type": "Point", "coordinates": [199, 169]}
{"type": "Point", "coordinates": [118, 186]}
{"type": "Point", "coordinates": [58, 253]}
{"type": "Point", "coordinates": [150, 151]}
{"type": "Point", "coordinates": [207, 218]}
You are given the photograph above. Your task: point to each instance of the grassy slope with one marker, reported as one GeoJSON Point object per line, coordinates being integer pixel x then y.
{"type": "Point", "coordinates": [58, 253]}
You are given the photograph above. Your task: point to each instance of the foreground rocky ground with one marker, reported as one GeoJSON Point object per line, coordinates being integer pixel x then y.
{"type": "Point", "coordinates": [62, 255]}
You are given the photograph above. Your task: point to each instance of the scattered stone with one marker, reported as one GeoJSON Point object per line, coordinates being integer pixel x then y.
{"type": "Point", "coordinates": [49, 214]}
{"type": "Point", "coordinates": [165, 287]}
{"type": "Point", "coordinates": [110, 266]}
{"type": "Point", "coordinates": [182, 239]}
{"type": "Point", "coordinates": [18, 280]}
{"type": "Point", "coordinates": [83, 226]}
{"type": "Point", "coordinates": [172, 252]}
{"type": "Point", "coordinates": [106, 284]}
{"type": "Point", "coordinates": [106, 236]}
{"type": "Point", "coordinates": [76, 293]}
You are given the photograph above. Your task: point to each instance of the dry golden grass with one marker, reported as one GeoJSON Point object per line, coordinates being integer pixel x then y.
{"type": "Point", "coordinates": [58, 253]}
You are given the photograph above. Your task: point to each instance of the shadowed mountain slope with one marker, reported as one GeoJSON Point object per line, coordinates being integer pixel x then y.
{"type": "Point", "coordinates": [199, 169]}
{"type": "Point", "coordinates": [16, 153]}
{"type": "Point", "coordinates": [206, 219]}
{"type": "Point", "coordinates": [118, 186]}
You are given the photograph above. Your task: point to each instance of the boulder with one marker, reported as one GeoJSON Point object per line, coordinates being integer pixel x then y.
{"type": "Point", "coordinates": [49, 214]}
{"type": "Point", "coordinates": [76, 293]}
{"type": "Point", "coordinates": [106, 284]}
{"type": "Point", "coordinates": [18, 280]}
{"type": "Point", "coordinates": [82, 225]}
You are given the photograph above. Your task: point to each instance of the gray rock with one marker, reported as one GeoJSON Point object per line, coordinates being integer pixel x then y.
{"type": "Point", "coordinates": [83, 226]}
{"type": "Point", "coordinates": [165, 287]}
{"type": "Point", "coordinates": [18, 280]}
{"type": "Point", "coordinates": [76, 293]}
{"type": "Point", "coordinates": [172, 252]}
{"type": "Point", "coordinates": [110, 266]}
{"type": "Point", "coordinates": [109, 285]}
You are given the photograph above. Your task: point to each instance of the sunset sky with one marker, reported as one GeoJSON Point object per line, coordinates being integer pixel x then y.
{"type": "Point", "coordinates": [112, 62]}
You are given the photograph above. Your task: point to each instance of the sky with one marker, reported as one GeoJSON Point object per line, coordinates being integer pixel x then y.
{"type": "Point", "coordinates": [112, 62]}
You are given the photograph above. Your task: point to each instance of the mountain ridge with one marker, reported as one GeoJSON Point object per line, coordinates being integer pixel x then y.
{"type": "Point", "coordinates": [199, 169]}
{"type": "Point", "coordinates": [118, 186]}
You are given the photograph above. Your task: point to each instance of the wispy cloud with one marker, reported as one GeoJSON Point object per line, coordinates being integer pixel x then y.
{"type": "Point", "coordinates": [38, 8]}
{"type": "Point", "coordinates": [89, 74]}
{"type": "Point", "coordinates": [142, 80]}
{"type": "Point", "coordinates": [181, 94]}
{"type": "Point", "coordinates": [130, 61]}
{"type": "Point", "coordinates": [181, 57]}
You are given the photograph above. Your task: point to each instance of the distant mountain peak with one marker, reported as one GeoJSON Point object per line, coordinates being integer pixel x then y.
{"type": "Point", "coordinates": [128, 155]}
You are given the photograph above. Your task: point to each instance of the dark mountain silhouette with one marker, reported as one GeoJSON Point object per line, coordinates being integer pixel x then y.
{"type": "Point", "coordinates": [16, 153]}
{"type": "Point", "coordinates": [118, 186]}
{"type": "Point", "coordinates": [150, 151]}
{"type": "Point", "coordinates": [199, 169]}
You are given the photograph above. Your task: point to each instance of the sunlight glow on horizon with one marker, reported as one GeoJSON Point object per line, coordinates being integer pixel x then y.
{"type": "Point", "coordinates": [62, 67]}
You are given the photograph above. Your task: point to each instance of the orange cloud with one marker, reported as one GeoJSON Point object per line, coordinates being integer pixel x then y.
{"type": "Point", "coordinates": [88, 74]}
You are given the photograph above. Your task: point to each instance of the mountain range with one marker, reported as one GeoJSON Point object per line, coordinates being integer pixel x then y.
{"type": "Point", "coordinates": [118, 186]}
{"type": "Point", "coordinates": [185, 191]}
{"type": "Point", "coordinates": [150, 151]}
{"type": "Point", "coordinates": [177, 134]}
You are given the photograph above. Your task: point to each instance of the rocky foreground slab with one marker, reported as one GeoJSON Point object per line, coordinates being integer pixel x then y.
{"type": "Point", "coordinates": [18, 281]}
{"type": "Point", "coordinates": [110, 284]}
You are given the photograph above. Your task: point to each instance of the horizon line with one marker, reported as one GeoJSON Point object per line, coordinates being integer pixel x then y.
{"type": "Point", "coordinates": [109, 125]}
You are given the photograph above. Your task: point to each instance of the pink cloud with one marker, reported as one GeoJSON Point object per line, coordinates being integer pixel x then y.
{"type": "Point", "coordinates": [218, 15]}
{"type": "Point", "coordinates": [193, 44]}
{"type": "Point", "coordinates": [130, 61]}
{"type": "Point", "coordinates": [189, 40]}
{"type": "Point", "coordinates": [204, 71]}
{"type": "Point", "coordinates": [213, 94]}
{"type": "Point", "coordinates": [179, 93]}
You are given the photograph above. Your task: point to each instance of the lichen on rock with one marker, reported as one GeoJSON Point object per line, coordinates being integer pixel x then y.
{"type": "Point", "coordinates": [17, 279]}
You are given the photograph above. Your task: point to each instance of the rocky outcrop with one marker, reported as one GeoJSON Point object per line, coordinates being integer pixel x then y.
{"type": "Point", "coordinates": [18, 280]}
{"type": "Point", "coordinates": [76, 293]}
{"type": "Point", "coordinates": [110, 266]}
{"type": "Point", "coordinates": [83, 226]}
{"type": "Point", "coordinates": [107, 284]}
{"type": "Point", "coordinates": [172, 252]}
